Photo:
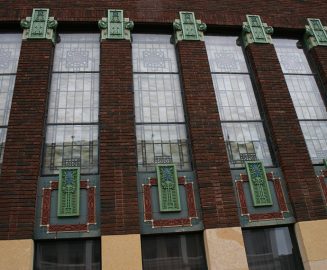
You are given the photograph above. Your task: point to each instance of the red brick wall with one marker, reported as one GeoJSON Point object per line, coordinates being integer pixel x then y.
{"type": "Point", "coordinates": [280, 13]}
{"type": "Point", "coordinates": [209, 152]}
{"type": "Point", "coordinates": [21, 163]}
{"type": "Point", "coordinates": [119, 208]}
{"type": "Point", "coordinates": [292, 154]}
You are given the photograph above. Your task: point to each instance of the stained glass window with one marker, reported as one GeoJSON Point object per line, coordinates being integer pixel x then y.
{"type": "Point", "coordinates": [307, 100]}
{"type": "Point", "coordinates": [242, 124]}
{"type": "Point", "coordinates": [72, 124]}
{"type": "Point", "coordinates": [159, 114]}
{"type": "Point", "coordinates": [9, 54]}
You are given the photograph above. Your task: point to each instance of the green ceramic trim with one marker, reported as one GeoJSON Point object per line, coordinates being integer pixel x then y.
{"type": "Point", "coordinates": [40, 25]}
{"type": "Point", "coordinates": [258, 183]}
{"type": "Point", "coordinates": [188, 28]}
{"type": "Point", "coordinates": [115, 26]}
{"type": "Point", "coordinates": [315, 34]}
{"type": "Point", "coordinates": [255, 31]}
{"type": "Point", "coordinates": [69, 192]}
{"type": "Point", "coordinates": [169, 199]}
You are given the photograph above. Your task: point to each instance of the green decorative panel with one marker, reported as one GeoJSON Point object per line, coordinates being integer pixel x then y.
{"type": "Point", "coordinates": [325, 163]}
{"type": "Point", "coordinates": [115, 26]}
{"type": "Point", "coordinates": [69, 192]}
{"type": "Point", "coordinates": [169, 199]}
{"type": "Point", "coordinates": [316, 34]}
{"type": "Point", "coordinates": [188, 28]}
{"type": "Point", "coordinates": [255, 31]}
{"type": "Point", "coordinates": [40, 25]}
{"type": "Point", "coordinates": [258, 183]}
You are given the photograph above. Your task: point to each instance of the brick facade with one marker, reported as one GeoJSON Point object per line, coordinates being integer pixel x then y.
{"type": "Point", "coordinates": [22, 157]}
{"type": "Point", "coordinates": [119, 209]}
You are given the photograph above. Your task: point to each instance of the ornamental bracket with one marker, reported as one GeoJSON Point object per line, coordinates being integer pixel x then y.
{"type": "Point", "coordinates": [315, 34]}
{"type": "Point", "coordinates": [40, 25]}
{"type": "Point", "coordinates": [255, 31]}
{"type": "Point", "coordinates": [115, 26]}
{"type": "Point", "coordinates": [188, 28]}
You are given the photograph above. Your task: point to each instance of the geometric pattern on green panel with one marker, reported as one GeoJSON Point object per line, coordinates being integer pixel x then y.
{"type": "Point", "coordinates": [188, 28]}
{"type": "Point", "coordinates": [316, 33]}
{"type": "Point", "coordinates": [255, 31]}
{"type": "Point", "coordinates": [115, 26]}
{"type": "Point", "coordinates": [258, 183]}
{"type": "Point", "coordinates": [40, 25]}
{"type": "Point", "coordinates": [169, 199]}
{"type": "Point", "coordinates": [69, 192]}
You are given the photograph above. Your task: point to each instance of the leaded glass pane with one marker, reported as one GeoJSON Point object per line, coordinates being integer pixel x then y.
{"type": "Point", "coordinates": [153, 53]}
{"type": "Point", "coordinates": [7, 83]}
{"type": "Point", "coordinates": [291, 59]}
{"type": "Point", "coordinates": [235, 97]}
{"type": "Point", "coordinates": [158, 98]}
{"type": "Point", "coordinates": [306, 97]}
{"type": "Point", "coordinates": [74, 98]}
{"type": "Point", "coordinates": [3, 132]}
{"type": "Point", "coordinates": [315, 137]}
{"type": "Point", "coordinates": [71, 142]}
{"type": "Point", "coordinates": [246, 141]}
{"type": "Point", "coordinates": [157, 141]}
{"type": "Point", "coordinates": [77, 53]}
{"type": "Point", "coordinates": [9, 52]}
{"type": "Point", "coordinates": [224, 55]}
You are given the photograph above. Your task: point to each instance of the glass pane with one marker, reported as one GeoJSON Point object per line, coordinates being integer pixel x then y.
{"type": "Point", "coordinates": [306, 97]}
{"type": "Point", "coordinates": [224, 55]}
{"type": "Point", "coordinates": [9, 52]}
{"type": "Point", "coordinates": [158, 98]}
{"type": "Point", "coordinates": [77, 52]}
{"type": "Point", "coordinates": [7, 83]}
{"type": "Point", "coordinates": [235, 97]}
{"type": "Point", "coordinates": [3, 133]}
{"type": "Point", "coordinates": [74, 98]}
{"type": "Point", "coordinates": [178, 252]}
{"type": "Point", "coordinates": [68, 254]}
{"type": "Point", "coordinates": [153, 53]}
{"type": "Point", "coordinates": [291, 59]}
{"type": "Point", "coordinates": [315, 137]}
{"type": "Point", "coordinates": [157, 141]}
{"type": "Point", "coordinates": [68, 142]}
{"type": "Point", "coordinates": [271, 249]}
{"type": "Point", "coordinates": [246, 142]}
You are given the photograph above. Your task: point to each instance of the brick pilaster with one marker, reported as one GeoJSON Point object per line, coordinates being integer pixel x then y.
{"type": "Point", "coordinates": [292, 153]}
{"type": "Point", "coordinates": [209, 152]}
{"type": "Point", "coordinates": [22, 156]}
{"type": "Point", "coordinates": [119, 203]}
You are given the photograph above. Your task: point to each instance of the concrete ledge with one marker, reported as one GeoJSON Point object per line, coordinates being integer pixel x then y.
{"type": "Point", "coordinates": [16, 254]}
{"type": "Point", "coordinates": [225, 249]}
{"type": "Point", "coordinates": [121, 252]}
{"type": "Point", "coordinates": [312, 240]}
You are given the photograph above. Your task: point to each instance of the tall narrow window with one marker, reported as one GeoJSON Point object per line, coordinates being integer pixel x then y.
{"type": "Point", "coordinates": [160, 123]}
{"type": "Point", "coordinates": [72, 124]}
{"type": "Point", "coordinates": [9, 55]}
{"type": "Point", "coordinates": [308, 103]}
{"type": "Point", "coordinates": [241, 121]}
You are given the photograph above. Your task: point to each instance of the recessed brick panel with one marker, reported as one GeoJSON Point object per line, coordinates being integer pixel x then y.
{"type": "Point", "coordinates": [119, 202]}
{"type": "Point", "coordinates": [22, 156]}
{"type": "Point", "coordinates": [291, 150]}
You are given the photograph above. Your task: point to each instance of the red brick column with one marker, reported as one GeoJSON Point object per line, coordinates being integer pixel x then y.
{"type": "Point", "coordinates": [209, 152]}
{"type": "Point", "coordinates": [22, 156]}
{"type": "Point", "coordinates": [292, 153]}
{"type": "Point", "coordinates": [319, 58]}
{"type": "Point", "coordinates": [119, 203]}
